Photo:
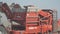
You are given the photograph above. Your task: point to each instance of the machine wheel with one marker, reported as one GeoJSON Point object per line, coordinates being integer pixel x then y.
{"type": "Point", "coordinates": [3, 30]}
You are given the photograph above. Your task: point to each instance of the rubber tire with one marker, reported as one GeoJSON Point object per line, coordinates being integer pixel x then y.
{"type": "Point", "coordinates": [2, 29]}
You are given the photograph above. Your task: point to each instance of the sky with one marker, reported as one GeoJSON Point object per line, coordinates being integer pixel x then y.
{"type": "Point", "coordinates": [41, 4]}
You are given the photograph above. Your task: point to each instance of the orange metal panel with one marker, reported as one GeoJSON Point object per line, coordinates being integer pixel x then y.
{"type": "Point", "coordinates": [45, 14]}
{"type": "Point", "coordinates": [31, 22]}
{"type": "Point", "coordinates": [45, 24]}
{"type": "Point", "coordinates": [32, 14]}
